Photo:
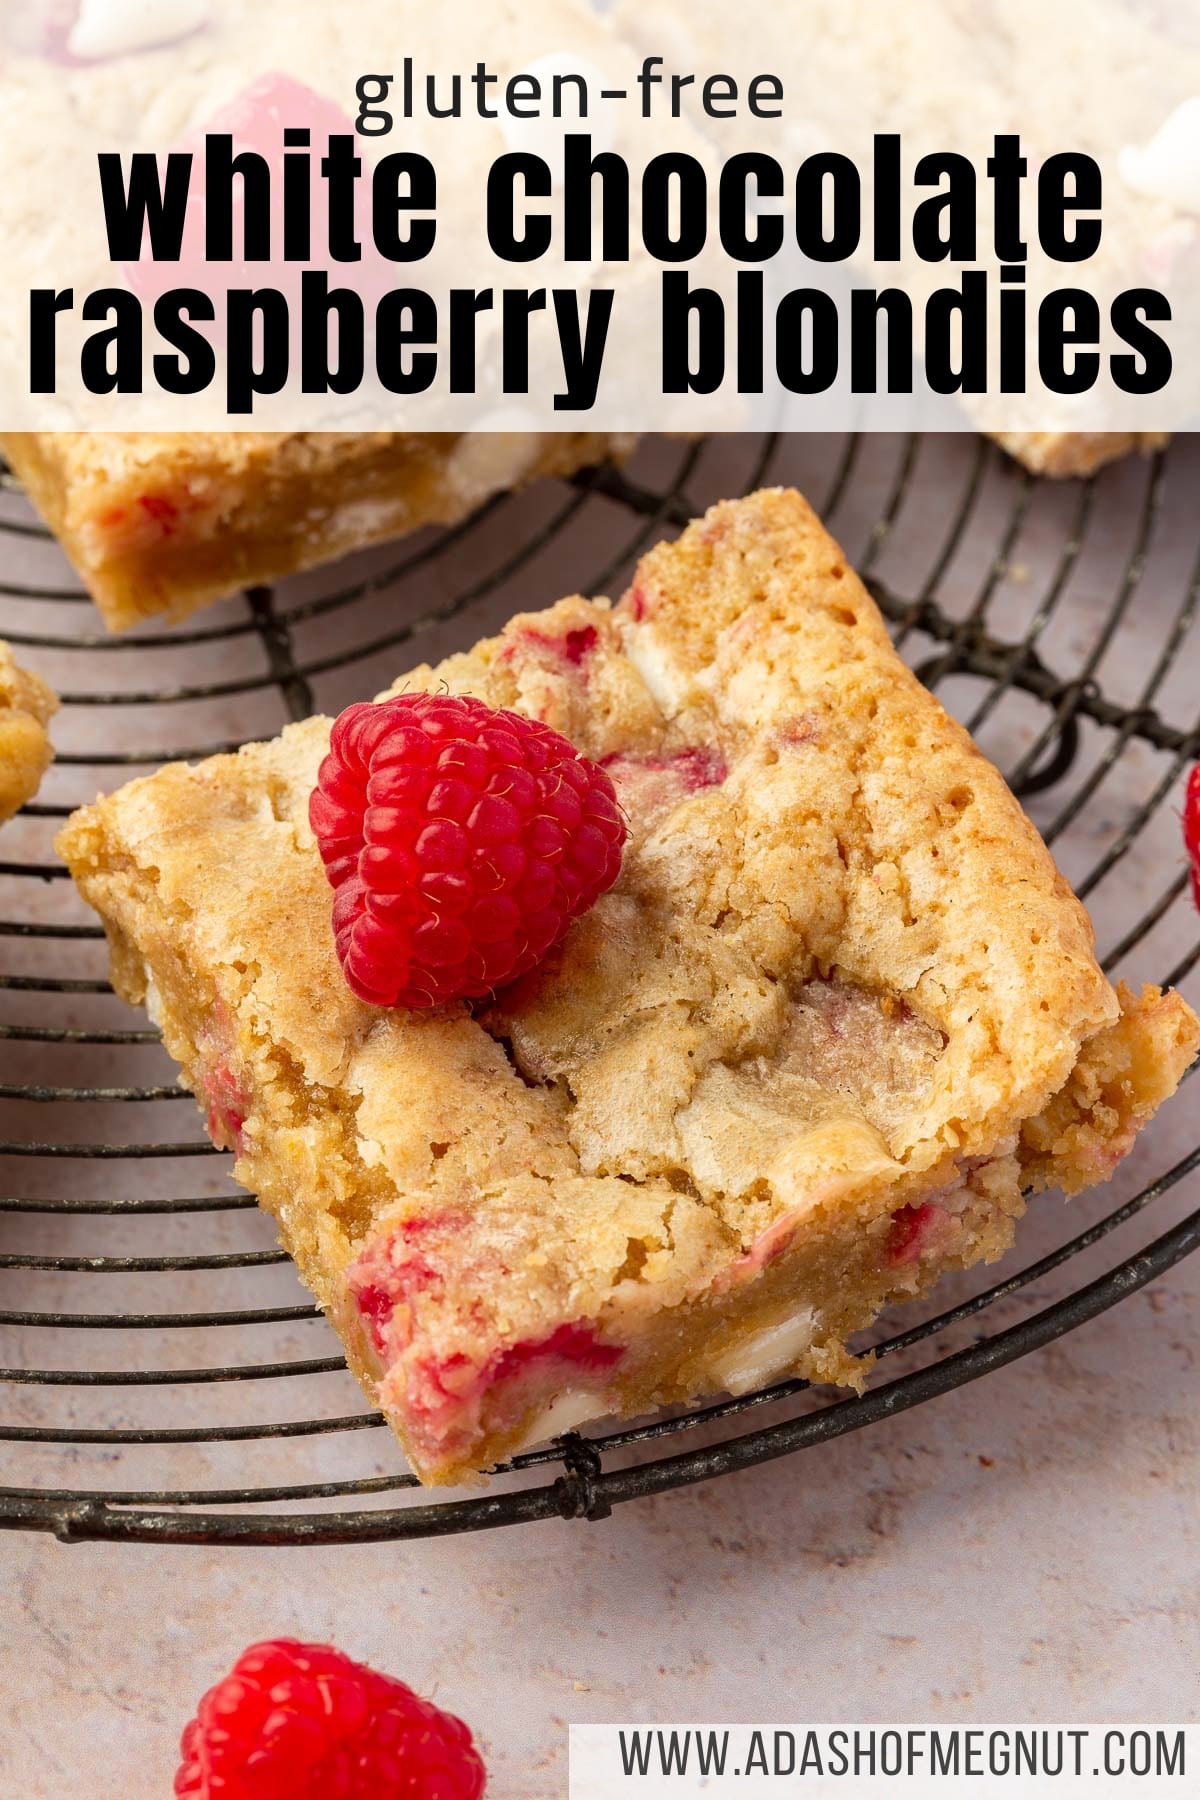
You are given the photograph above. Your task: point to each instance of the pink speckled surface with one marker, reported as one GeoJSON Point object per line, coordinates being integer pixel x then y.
{"type": "Point", "coordinates": [1027, 1547]}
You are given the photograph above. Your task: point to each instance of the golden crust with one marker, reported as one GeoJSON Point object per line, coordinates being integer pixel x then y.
{"type": "Point", "coordinates": [839, 992]}
{"type": "Point", "coordinates": [26, 706]}
{"type": "Point", "coordinates": [168, 522]}
{"type": "Point", "coordinates": [1067, 453]}
{"type": "Point", "coordinates": [1122, 1077]}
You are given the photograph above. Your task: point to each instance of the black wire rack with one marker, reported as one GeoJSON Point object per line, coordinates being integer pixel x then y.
{"type": "Point", "coordinates": [165, 1378]}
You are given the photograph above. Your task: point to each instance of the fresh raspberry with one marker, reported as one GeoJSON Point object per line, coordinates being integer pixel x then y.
{"type": "Point", "coordinates": [1191, 828]}
{"type": "Point", "coordinates": [298, 1721]}
{"type": "Point", "coordinates": [460, 842]}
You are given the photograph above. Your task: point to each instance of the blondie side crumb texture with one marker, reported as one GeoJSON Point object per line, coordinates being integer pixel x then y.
{"type": "Point", "coordinates": [837, 1016]}
{"type": "Point", "coordinates": [165, 523]}
{"type": "Point", "coordinates": [26, 707]}
{"type": "Point", "coordinates": [1066, 453]}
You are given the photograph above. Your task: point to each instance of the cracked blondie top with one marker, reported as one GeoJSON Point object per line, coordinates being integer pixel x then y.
{"type": "Point", "coordinates": [27, 705]}
{"type": "Point", "coordinates": [168, 522]}
{"type": "Point", "coordinates": [838, 1014]}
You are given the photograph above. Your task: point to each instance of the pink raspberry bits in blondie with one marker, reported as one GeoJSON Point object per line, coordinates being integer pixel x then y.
{"type": "Point", "coordinates": [572, 647]}
{"type": "Point", "coordinates": [222, 1089]}
{"type": "Point", "coordinates": [445, 1398]}
{"type": "Point", "coordinates": [916, 1231]}
{"type": "Point", "coordinates": [637, 602]}
{"type": "Point", "coordinates": [43, 27]}
{"type": "Point", "coordinates": [652, 785]}
{"type": "Point", "coordinates": [393, 1270]}
{"type": "Point", "coordinates": [686, 771]}
{"type": "Point", "coordinates": [151, 519]}
{"type": "Point", "coordinates": [575, 1344]}
{"type": "Point", "coordinates": [461, 842]}
{"type": "Point", "coordinates": [444, 1363]}
{"type": "Point", "coordinates": [228, 1104]}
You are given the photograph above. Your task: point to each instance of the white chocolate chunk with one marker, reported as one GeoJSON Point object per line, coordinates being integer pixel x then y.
{"type": "Point", "coordinates": [494, 456]}
{"type": "Point", "coordinates": [666, 688]}
{"type": "Point", "coordinates": [757, 1359]}
{"type": "Point", "coordinates": [153, 1002]}
{"type": "Point", "coordinates": [1168, 167]}
{"type": "Point", "coordinates": [567, 1410]}
{"type": "Point", "coordinates": [107, 28]}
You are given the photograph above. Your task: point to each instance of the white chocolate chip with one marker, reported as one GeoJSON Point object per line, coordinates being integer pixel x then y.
{"type": "Point", "coordinates": [115, 27]}
{"type": "Point", "coordinates": [660, 676]}
{"type": "Point", "coordinates": [757, 1359]}
{"type": "Point", "coordinates": [153, 1002]}
{"type": "Point", "coordinates": [574, 1406]}
{"type": "Point", "coordinates": [496, 454]}
{"type": "Point", "coordinates": [1168, 167]}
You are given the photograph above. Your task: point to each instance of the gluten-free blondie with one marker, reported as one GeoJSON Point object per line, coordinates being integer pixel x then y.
{"type": "Point", "coordinates": [838, 1014]}
{"type": "Point", "coordinates": [1067, 453]}
{"type": "Point", "coordinates": [27, 705]}
{"type": "Point", "coordinates": [168, 522]}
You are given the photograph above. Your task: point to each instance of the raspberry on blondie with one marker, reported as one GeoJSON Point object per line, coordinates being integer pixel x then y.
{"type": "Point", "coordinates": [26, 707]}
{"type": "Point", "coordinates": [168, 522]}
{"type": "Point", "coordinates": [837, 1015]}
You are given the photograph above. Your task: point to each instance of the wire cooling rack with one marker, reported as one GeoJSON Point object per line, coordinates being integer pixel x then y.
{"type": "Point", "coordinates": [165, 1377]}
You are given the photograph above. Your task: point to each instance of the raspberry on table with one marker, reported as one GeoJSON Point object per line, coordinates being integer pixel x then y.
{"type": "Point", "coordinates": [1191, 828]}
{"type": "Point", "coordinates": [461, 842]}
{"type": "Point", "coordinates": [296, 1721]}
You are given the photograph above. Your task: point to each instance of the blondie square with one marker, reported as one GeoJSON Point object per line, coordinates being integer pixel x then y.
{"type": "Point", "coordinates": [26, 708]}
{"type": "Point", "coordinates": [168, 522]}
{"type": "Point", "coordinates": [838, 1015]}
{"type": "Point", "coordinates": [1067, 453]}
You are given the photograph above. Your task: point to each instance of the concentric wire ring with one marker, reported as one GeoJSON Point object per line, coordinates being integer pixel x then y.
{"type": "Point", "coordinates": [1060, 621]}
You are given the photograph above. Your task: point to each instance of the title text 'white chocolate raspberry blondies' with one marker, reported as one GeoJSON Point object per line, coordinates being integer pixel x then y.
{"type": "Point", "coordinates": [837, 1014]}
